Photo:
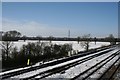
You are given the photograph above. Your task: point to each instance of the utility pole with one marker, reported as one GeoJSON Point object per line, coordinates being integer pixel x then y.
{"type": "Point", "coordinates": [69, 34]}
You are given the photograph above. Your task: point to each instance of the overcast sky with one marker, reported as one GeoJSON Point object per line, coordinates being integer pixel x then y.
{"type": "Point", "coordinates": [55, 19]}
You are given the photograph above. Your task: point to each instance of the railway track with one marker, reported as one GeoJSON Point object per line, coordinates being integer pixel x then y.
{"type": "Point", "coordinates": [58, 69]}
{"type": "Point", "coordinates": [67, 66]}
{"type": "Point", "coordinates": [94, 67]}
{"type": "Point", "coordinates": [86, 74]}
{"type": "Point", "coordinates": [110, 72]}
{"type": "Point", "coordinates": [63, 68]}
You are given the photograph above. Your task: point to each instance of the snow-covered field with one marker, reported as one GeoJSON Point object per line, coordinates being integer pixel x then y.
{"type": "Point", "coordinates": [75, 44]}
{"type": "Point", "coordinates": [76, 47]}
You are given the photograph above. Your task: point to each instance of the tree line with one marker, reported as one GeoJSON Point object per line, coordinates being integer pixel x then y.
{"type": "Point", "coordinates": [37, 51]}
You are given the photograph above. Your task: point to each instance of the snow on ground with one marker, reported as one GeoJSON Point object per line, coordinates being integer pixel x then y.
{"type": "Point", "coordinates": [77, 47]}
{"type": "Point", "coordinates": [25, 75]}
{"type": "Point", "coordinates": [38, 63]}
{"type": "Point", "coordinates": [101, 70]}
{"type": "Point", "coordinates": [75, 44]}
{"type": "Point", "coordinates": [1, 73]}
{"type": "Point", "coordinates": [73, 71]}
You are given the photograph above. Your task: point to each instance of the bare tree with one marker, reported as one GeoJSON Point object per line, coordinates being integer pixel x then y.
{"type": "Point", "coordinates": [14, 53]}
{"type": "Point", "coordinates": [8, 45]}
{"type": "Point", "coordinates": [78, 39]}
{"type": "Point", "coordinates": [6, 48]}
{"type": "Point", "coordinates": [50, 38]}
{"type": "Point", "coordinates": [85, 44]}
{"type": "Point", "coordinates": [111, 38]}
